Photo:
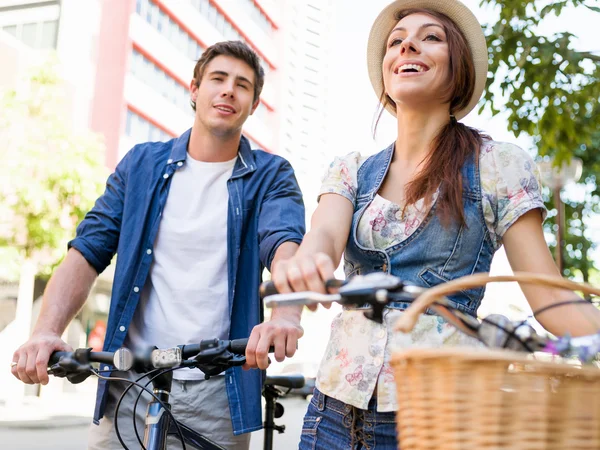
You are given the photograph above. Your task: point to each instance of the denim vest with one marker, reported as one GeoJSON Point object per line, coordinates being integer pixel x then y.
{"type": "Point", "coordinates": [434, 253]}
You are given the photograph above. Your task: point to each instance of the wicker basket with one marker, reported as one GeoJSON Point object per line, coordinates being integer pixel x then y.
{"type": "Point", "coordinates": [472, 399]}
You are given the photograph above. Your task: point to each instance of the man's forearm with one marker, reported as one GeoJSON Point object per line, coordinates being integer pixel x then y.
{"type": "Point", "coordinates": [65, 294]}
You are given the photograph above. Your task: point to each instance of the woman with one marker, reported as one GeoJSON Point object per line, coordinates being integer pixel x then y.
{"type": "Point", "coordinates": [433, 206]}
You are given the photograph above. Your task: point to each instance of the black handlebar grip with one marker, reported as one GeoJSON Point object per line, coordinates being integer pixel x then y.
{"type": "Point", "coordinates": [238, 346]}
{"type": "Point", "coordinates": [293, 381]}
{"type": "Point", "coordinates": [267, 288]}
{"type": "Point", "coordinates": [55, 357]}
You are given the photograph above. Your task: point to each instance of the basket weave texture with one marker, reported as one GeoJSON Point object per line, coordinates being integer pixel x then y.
{"type": "Point", "coordinates": [463, 399]}
{"type": "Point", "coordinates": [480, 399]}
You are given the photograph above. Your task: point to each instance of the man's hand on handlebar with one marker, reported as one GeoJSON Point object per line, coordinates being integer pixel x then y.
{"type": "Point", "coordinates": [298, 273]}
{"type": "Point", "coordinates": [282, 332]}
{"type": "Point", "coordinates": [32, 357]}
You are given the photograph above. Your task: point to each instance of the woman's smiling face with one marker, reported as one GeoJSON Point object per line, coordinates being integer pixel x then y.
{"type": "Point", "coordinates": [416, 62]}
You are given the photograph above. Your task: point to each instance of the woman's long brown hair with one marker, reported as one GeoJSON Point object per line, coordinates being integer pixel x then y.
{"type": "Point", "coordinates": [455, 142]}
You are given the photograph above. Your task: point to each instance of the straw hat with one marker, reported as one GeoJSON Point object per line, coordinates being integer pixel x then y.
{"type": "Point", "coordinates": [458, 13]}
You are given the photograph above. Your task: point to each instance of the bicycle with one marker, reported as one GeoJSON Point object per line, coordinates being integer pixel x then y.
{"type": "Point", "coordinates": [373, 292]}
{"type": "Point", "coordinates": [211, 356]}
{"type": "Point", "coordinates": [516, 398]}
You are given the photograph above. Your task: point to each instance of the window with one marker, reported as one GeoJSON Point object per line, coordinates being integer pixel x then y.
{"type": "Point", "coordinates": [140, 130]}
{"type": "Point", "coordinates": [33, 23]}
{"type": "Point", "coordinates": [169, 29]}
{"type": "Point", "coordinates": [36, 25]}
{"type": "Point", "coordinates": [29, 33]}
{"type": "Point", "coordinates": [159, 81]}
{"type": "Point", "coordinates": [220, 23]}
{"type": "Point", "coordinates": [256, 15]}
{"type": "Point", "coordinates": [223, 26]}
{"type": "Point", "coordinates": [40, 35]}
{"type": "Point", "coordinates": [49, 34]}
{"type": "Point", "coordinates": [11, 29]}
{"type": "Point", "coordinates": [211, 14]}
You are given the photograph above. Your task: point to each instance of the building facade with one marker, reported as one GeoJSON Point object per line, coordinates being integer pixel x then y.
{"type": "Point", "coordinates": [304, 104]}
{"type": "Point", "coordinates": [131, 61]}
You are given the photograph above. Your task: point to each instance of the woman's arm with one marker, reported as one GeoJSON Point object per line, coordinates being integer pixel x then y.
{"type": "Point", "coordinates": [321, 249]}
{"type": "Point", "coordinates": [527, 251]}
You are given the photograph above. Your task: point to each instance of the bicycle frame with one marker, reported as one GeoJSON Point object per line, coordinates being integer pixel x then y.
{"type": "Point", "coordinates": [158, 425]}
{"type": "Point", "coordinates": [211, 356]}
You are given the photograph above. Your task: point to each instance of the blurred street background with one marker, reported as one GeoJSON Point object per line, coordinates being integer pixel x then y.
{"type": "Point", "coordinates": [82, 81]}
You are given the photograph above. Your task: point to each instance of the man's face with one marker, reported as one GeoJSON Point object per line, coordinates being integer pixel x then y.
{"type": "Point", "coordinates": [224, 98]}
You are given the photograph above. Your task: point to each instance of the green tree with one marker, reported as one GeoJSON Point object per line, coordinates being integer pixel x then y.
{"type": "Point", "coordinates": [550, 91]}
{"type": "Point", "coordinates": [51, 173]}
{"type": "Point", "coordinates": [578, 213]}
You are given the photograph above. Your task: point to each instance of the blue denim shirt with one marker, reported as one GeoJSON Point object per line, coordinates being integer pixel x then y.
{"type": "Point", "coordinates": [433, 253]}
{"type": "Point", "coordinates": [265, 210]}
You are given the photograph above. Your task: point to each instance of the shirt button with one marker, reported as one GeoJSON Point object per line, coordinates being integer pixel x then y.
{"type": "Point", "coordinates": [165, 176]}
{"type": "Point", "coordinates": [136, 289]}
{"type": "Point", "coordinates": [121, 328]}
{"type": "Point", "coordinates": [149, 251]}
{"type": "Point", "coordinates": [169, 161]}
{"type": "Point", "coordinates": [179, 164]}
{"type": "Point", "coordinates": [106, 368]}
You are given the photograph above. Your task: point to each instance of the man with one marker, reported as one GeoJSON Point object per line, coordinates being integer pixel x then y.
{"type": "Point", "coordinates": [194, 221]}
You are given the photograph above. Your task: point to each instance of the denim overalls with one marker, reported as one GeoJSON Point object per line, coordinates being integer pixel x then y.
{"type": "Point", "coordinates": [433, 254]}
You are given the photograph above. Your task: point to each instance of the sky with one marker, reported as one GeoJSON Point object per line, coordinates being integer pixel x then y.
{"type": "Point", "coordinates": [352, 102]}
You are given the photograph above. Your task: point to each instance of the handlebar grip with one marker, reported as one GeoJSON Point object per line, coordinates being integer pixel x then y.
{"type": "Point", "coordinates": [293, 381]}
{"type": "Point", "coordinates": [267, 288]}
{"type": "Point", "coordinates": [83, 355]}
{"type": "Point", "coordinates": [55, 357]}
{"type": "Point", "coordinates": [238, 346]}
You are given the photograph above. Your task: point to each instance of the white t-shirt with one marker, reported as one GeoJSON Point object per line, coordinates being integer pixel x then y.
{"type": "Point", "coordinates": [185, 297]}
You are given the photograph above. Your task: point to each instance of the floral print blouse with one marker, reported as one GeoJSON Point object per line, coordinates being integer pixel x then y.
{"type": "Point", "coordinates": [355, 365]}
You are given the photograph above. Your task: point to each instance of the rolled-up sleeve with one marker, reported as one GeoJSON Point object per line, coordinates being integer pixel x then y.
{"type": "Point", "coordinates": [98, 233]}
{"type": "Point", "coordinates": [282, 217]}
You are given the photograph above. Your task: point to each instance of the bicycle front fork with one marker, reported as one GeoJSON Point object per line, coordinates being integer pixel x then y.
{"type": "Point", "coordinates": [157, 420]}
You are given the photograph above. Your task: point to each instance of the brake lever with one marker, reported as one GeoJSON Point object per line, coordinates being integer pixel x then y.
{"type": "Point", "coordinates": [221, 363]}
{"type": "Point", "coordinates": [71, 369]}
{"type": "Point", "coordinates": [375, 289]}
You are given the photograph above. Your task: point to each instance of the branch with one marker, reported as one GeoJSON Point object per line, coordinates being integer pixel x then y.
{"type": "Point", "coordinates": [590, 55]}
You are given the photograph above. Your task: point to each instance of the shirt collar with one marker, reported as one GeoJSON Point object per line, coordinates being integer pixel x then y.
{"type": "Point", "coordinates": [244, 164]}
{"type": "Point", "coordinates": [179, 149]}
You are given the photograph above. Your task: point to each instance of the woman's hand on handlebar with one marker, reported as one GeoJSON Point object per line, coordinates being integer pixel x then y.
{"type": "Point", "coordinates": [303, 273]}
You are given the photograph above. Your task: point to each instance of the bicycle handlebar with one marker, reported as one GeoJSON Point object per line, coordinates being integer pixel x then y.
{"type": "Point", "coordinates": [211, 356]}
{"type": "Point", "coordinates": [377, 290]}
{"type": "Point", "coordinates": [98, 357]}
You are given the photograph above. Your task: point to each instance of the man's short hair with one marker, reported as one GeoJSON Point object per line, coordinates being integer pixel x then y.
{"type": "Point", "coordinates": [235, 49]}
